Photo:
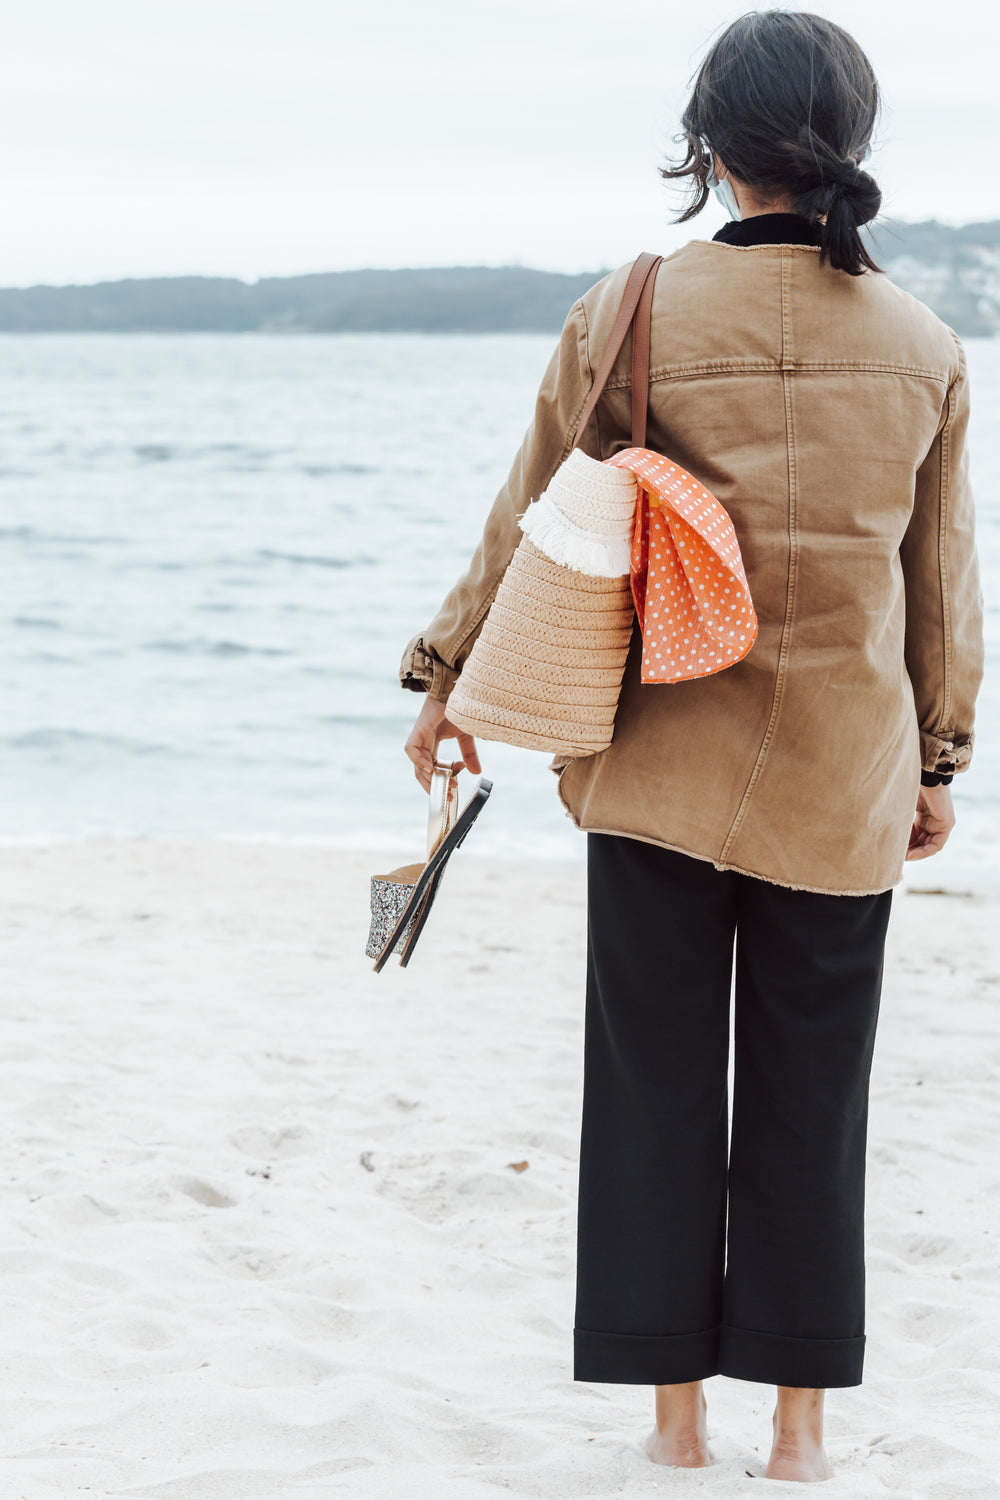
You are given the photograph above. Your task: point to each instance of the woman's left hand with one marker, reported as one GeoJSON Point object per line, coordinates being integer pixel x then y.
{"type": "Point", "coordinates": [934, 820]}
{"type": "Point", "coordinates": [432, 726]}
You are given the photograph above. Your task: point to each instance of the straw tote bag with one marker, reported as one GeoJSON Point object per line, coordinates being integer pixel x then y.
{"type": "Point", "coordinates": [633, 537]}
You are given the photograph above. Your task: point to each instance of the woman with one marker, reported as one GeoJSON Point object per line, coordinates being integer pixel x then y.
{"type": "Point", "coordinates": [770, 806]}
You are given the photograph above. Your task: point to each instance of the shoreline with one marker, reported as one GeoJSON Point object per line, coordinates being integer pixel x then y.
{"type": "Point", "coordinates": [951, 874]}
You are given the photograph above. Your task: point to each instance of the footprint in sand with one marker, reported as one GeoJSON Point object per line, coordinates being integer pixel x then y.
{"type": "Point", "coordinates": [930, 1323]}
{"type": "Point", "coordinates": [271, 1141]}
{"type": "Point", "coordinates": [203, 1192]}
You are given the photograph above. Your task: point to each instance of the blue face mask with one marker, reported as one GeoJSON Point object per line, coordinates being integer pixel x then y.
{"type": "Point", "coordinates": [723, 190]}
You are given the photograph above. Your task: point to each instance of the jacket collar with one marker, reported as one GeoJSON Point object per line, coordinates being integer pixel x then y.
{"type": "Point", "coordinates": [770, 229]}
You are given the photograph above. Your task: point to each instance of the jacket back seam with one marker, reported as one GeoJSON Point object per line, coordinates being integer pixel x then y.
{"type": "Point", "coordinates": [790, 576]}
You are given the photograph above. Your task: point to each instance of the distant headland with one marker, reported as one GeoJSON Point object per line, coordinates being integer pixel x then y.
{"type": "Point", "coordinates": [956, 271]}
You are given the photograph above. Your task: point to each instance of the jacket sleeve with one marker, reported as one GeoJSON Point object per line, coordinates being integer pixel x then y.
{"type": "Point", "coordinates": [944, 603]}
{"type": "Point", "coordinates": [433, 660]}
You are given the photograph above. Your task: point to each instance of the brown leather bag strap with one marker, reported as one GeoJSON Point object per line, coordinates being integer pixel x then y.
{"type": "Point", "coordinates": [642, 274]}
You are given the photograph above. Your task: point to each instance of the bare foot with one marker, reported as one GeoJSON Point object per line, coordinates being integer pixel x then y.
{"type": "Point", "coordinates": [797, 1452]}
{"type": "Point", "coordinates": [680, 1437]}
{"type": "Point", "coordinates": [682, 1450]}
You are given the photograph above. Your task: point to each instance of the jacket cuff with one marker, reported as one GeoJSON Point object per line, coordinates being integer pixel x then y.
{"type": "Point", "coordinates": [946, 757]}
{"type": "Point", "coordinates": [423, 671]}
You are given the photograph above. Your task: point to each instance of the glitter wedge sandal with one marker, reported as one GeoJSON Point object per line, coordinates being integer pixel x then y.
{"type": "Point", "coordinates": [401, 901]}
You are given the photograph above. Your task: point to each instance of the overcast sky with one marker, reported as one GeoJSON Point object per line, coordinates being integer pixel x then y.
{"type": "Point", "coordinates": [268, 137]}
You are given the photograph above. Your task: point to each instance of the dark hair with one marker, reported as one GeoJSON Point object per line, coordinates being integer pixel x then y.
{"type": "Point", "coordinates": [788, 102]}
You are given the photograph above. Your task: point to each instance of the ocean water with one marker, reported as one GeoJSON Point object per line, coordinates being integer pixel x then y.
{"type": "Point", "coordinates": [213, 550]}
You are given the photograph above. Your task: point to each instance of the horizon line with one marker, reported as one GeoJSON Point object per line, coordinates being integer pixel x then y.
{"type": "Point", "coordinates": [887, 223]}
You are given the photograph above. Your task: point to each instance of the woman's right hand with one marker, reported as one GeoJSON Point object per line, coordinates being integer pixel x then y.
{"type": "Point", "coordinates": [934, 820]}
{"type": "Point", "coordinates": [432, 726]}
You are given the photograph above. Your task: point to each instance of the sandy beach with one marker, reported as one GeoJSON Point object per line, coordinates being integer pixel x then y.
{"type": "Point", "coordinates": [276, 1227]}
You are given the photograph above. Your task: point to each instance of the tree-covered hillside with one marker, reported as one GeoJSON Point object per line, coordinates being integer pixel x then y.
{"type": "Point", "coordinates": [955, 270]}
{"type": "Point", "coordinates": [457, 299]}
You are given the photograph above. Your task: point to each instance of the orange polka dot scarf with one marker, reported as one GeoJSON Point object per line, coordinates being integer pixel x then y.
{"type": "Point", "coordinates": [688, 582]}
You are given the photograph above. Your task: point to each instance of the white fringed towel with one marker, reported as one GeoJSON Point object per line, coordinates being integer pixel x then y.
{"type": "Point", "coordinates": [584, 520]}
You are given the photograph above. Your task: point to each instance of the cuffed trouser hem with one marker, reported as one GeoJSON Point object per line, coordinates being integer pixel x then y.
{"type": "Point", "coordinates": [772, 1359]}
{"type": "Point", "coordinates": [740, 1353]}
{"type": "Point", "coordinates": [638, 1359]}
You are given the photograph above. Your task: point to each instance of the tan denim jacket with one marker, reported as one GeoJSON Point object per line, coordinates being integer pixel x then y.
{"type": "Point", "coordinates": [828, 414]}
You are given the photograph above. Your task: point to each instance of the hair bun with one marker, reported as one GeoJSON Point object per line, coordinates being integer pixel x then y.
{"type": "Point", "coordinates": [861, 189]}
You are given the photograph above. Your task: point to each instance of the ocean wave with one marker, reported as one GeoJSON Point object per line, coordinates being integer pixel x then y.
{"type": "Point", "coordinates": [202, 647]}
{"type": "Point", "coordinates": [315, 560]}
{"type": "Point", "coordinates": [69, 539]}
{"type": "Point", "coordinates": [248, 455]}
{"type": "Point", "coordinates": [36, 622]}
{"type": "Point", "coordinates": [59, 737]}
{"type": "Point", "coordinates": [164, 453]}
{"type": "Point", "coordinates": [326, 471]}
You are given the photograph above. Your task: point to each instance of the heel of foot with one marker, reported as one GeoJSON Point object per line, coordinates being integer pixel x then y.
{"type": "Point", "coordinates": [679, 1450]}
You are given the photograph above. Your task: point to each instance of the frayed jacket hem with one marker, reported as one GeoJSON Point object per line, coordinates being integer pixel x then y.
{"type": "Point", "coordinates": [789, 885]}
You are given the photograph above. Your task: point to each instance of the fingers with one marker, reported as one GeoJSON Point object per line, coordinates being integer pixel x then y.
{"type": "Point", "coordinates": [421, 754]}
{"type": "Point", "coordinates": [423, 777]}
{"type": "Point", "coordinates": [924, 843]}
{"type": "Point", "coordinates": [427, 733]}
{"type": "Point", "coordinates": [421, 745]}
{"type": "Point", "coordinates": [417, 750]}
{"type": "Point", "coordinates": [470, 754]}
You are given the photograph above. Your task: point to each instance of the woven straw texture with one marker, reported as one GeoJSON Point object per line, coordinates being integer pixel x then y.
{"type": "Point", "coordinates": [546, 670]}
{"type": "Point", "coordinates": [585, 518]}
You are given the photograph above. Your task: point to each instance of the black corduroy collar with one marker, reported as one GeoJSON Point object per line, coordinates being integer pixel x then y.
{"type": "Point", "coordinates": [770, 229]}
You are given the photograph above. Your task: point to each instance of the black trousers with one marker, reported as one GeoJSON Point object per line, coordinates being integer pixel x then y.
{"type": "Point", "coordinates": [667, 1289]}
